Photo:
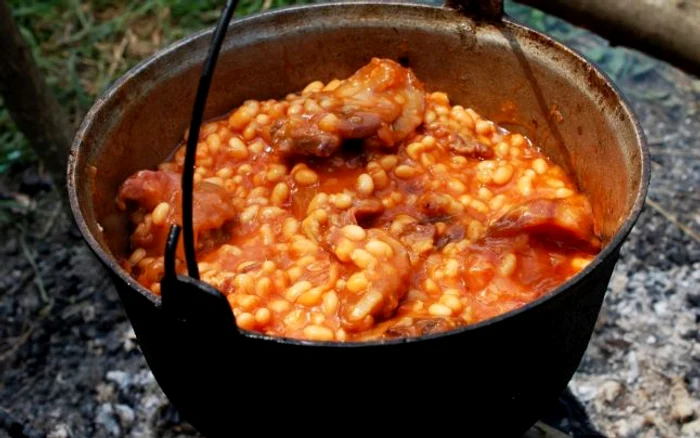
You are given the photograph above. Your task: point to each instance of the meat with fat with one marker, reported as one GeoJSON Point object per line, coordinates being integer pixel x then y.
{"type": "Point", "coordinates": [564, 222]}
{"type": "Point", "coordinates": [382, 102]}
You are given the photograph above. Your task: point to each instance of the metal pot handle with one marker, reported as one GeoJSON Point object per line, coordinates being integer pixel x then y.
{"type": "Point", "coordinates": [490, 10]}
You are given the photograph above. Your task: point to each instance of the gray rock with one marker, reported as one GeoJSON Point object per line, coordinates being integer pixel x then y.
{"type": "Point", "coordinates": [105, 418]}
{"type": "Point", "coordinates": [143, 378]}
{"type": "Point", "coordinates": [60, 431]}
{"type": "Point", "coordinates": [125, 414]}
{"type": "Point", "coordinates": [633, 367]}
{"type": "Point", "coordinates": [120, 378]}
{"type": "Point", "coordinates": [683, 408]}
{"type": "Point", "coordinates": [692, 429]}
{"type": "Point", "coordinates": [630, 427]}
{"type": "Point", "coordinates": [610, 391]}
{"type": "Point", "coordinates": [104, 392]}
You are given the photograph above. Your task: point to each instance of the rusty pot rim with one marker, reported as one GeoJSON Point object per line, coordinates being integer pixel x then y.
{"type": "Point", "coordinates": [607, 252]}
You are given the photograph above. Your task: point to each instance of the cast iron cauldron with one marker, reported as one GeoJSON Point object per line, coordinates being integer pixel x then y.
{"type": "Point", "coordinates": [490, 379]}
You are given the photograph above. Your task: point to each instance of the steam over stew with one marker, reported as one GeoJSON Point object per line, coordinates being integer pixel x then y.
{"type": "Point", "coordinates": [365, 208]}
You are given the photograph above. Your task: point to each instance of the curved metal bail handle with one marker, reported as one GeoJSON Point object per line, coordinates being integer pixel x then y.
{"type": "Point", "coordinates": [187, 298]}
{"type": "Point", "coordinates": [200, 101]}
{"type": "Point", "coordinates": [490, 10]}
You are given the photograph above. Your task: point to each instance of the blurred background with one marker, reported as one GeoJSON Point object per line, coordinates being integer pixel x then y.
{"type": "Point", "coordinates": [83, 46]}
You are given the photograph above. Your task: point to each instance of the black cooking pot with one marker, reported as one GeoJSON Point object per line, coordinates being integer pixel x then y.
{"type": "Point", "coordinates": [494, 378]}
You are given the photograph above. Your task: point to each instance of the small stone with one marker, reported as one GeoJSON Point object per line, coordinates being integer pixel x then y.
{"type": "Point", "coordinates": [60, 431]}
{"type": "Point", "coordinates": [691, 429]}
{"type": "Point", "coordinates": [88, 313]}
{"type": "Point", "coordinates": [105, 392]}
{"type": "Point", "coordinates": [105, 418]}
{"type": "Point", "coordinates": [630, 427]}
{"type": "Point", "coordinates": [125, 414]}
{"type": "Point", "coordinates": [661, 308]}
{"type": "Point", "coordinates": [585, 392]}
{"type": "Point", "coordinates": [143, 378]}
{"type": "Point", "coordinates": [610, 390]}
{"type": "Point", "coordinates": [618, 283]}
{"type": "Point", "coordinates": [682, 409]}
{"type": "Point", "coordinates": [120, 378]}
{"type": "Point", "coordinates": [129, 339]}
{"type": "Point", "coordinates": [695, 354]}
{"type": "Point", "coordinates": [633, 367]}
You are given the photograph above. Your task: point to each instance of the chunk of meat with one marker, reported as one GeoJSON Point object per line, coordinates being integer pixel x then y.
{"type": "Point", "coordinates": [564, 222]}
{"type": "Point", "coordinates": [470, 147]}
{"type": "Point", "coordinates": [455, 232]}
{"type": "Point", "coordinates": [212, 207]}
{"type": "Point", "coordinates": [378, 271]}
{"type": "Point", "coordinates": [434, 206]}
{"type": "Point", "coordinates": [148, 188]}
{"type": "Point", "coordinates": [364, 211]}
{"type": "Point", "coordinates": [414, 327]}
{"type": "Point", "coordinates": [418, 237]}
{"type": "Point", "coordinates": [461, 141]}
{"type": "Point", "coordinates": [382, 101]}
{"type": "Point", "coordinates": [383, 265]}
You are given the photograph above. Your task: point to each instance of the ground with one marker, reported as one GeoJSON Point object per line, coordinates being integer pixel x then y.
{"type": "Point", "coordinates": [69, 361]}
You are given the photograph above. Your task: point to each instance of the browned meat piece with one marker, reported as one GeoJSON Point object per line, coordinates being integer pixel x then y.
{"type": "Point", "coordinates": [382, 101]}
{"type": "Point", "coordinates": [434, 206]}
{"type": "Point", "coordinates": [454, 233]}
{"type": "Point", "coordinates": [149, 188]}
{"type": "Point", "coordinates": [364, 211]}
{"type": "Point", "coordinates": [563, 222]}
{"type": "Point", "coordinates": [302, 135]}
{"type": "Point", "coordinates": [384, 276]}
{"type": "Point", "coordinates": [414, 327]}
{"type": "Point", "coordinates": [212, 207]}
{"type": "Point", "coordinates": [298, 136]}
{"type": "Point", "coordinates": [378, 264]}
{"type": "Point", "coordinates": [461, 142]}
{"type": "Point", "coordinates": [470, 147]}
{"type": "Point", "coordinates": [419, 237]}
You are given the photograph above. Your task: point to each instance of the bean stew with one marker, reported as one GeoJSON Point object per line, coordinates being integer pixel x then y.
{"type": "Point", "coordinates": [365, 208]}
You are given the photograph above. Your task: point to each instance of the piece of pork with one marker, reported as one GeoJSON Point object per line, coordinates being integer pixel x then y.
{"type": "Point", "coordinates": [383, 102]}
{"type": "Point", "coordinates": [564, 222]}
{"type": "Point", "coordinates": [212, 207]}
{"type": "Point", "coordinates": [382, 264]}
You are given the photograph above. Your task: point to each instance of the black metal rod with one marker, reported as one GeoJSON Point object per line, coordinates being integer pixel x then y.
{"type": "Point", "coordinates": [193, 139]}
{"type": "Point", "coordinates": [170, 248]}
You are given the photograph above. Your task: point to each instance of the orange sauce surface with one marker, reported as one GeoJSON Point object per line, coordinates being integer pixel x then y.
{"type": "Point", "coordinates": [321, 218]}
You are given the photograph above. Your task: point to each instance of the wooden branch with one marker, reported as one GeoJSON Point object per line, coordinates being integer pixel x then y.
{"type": "Point", "coordinates": [666, 29]}
{"type": "Point", "coordinates": [30, 103]}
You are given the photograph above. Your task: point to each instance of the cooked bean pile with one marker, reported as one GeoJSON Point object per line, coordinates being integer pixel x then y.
{"type": "Point", "coordinates": [365, 208]}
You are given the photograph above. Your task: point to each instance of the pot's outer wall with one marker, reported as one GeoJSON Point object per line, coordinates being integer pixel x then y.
{"type": "Point", "coordinates": [492, 379]}
{"type": "Point", "coordinates": [494, 382]}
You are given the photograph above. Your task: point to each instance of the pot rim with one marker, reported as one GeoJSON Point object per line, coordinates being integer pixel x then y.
{"type": "Point", "coordinates": [607, 252]}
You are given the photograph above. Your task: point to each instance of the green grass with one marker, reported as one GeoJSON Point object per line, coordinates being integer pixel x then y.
{"type": "Point", "coordinates": [83, 46]}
